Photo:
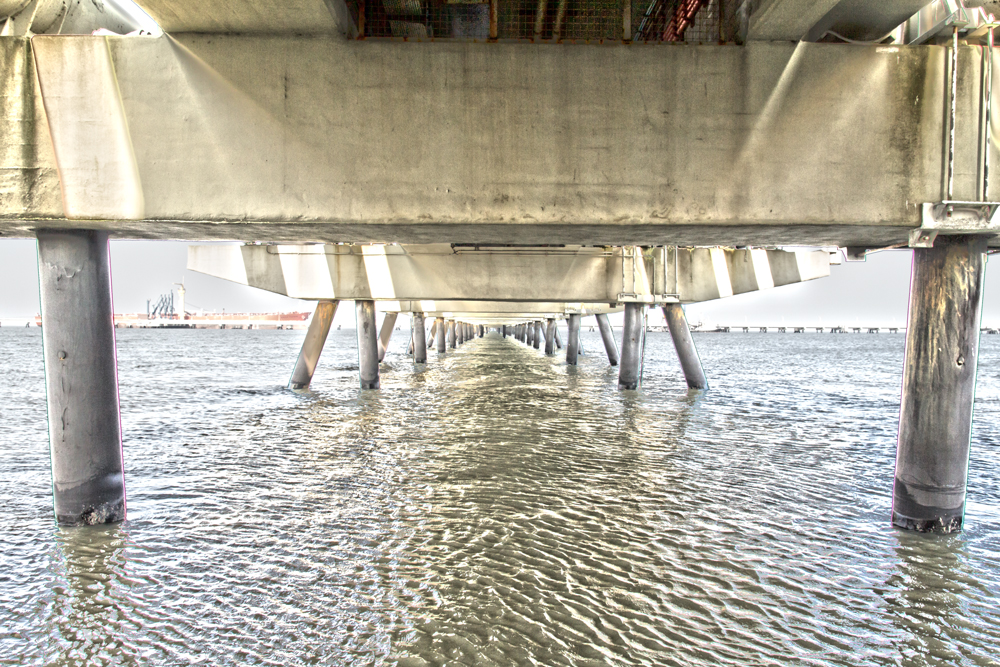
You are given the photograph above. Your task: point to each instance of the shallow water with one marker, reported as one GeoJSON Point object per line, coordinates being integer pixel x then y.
{"type": "Point", "coordinates": [497, 507]}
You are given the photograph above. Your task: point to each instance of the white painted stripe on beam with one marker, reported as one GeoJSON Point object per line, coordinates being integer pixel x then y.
{"type": "Point", "coordinates": [761, 269]}
{"type": "Point", "coordinates": [721, 269]}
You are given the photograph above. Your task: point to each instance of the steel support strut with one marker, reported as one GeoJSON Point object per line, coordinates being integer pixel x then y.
{"type": "Point", "coordinates": [572, 339]}
{"type": "Point", "coordinates": [939, 382]}
{"type": "Point", "coordinates": [608, 336]}
{"type": "Point", "coordinates": [388, 322]}
{"type": "Point", "coordinates": [550, 336]}
{"type": "Point", "coordinates": [419, 342]}
{"type": "Point", "coordinates": [687, 353]}
{"type": "Point", "coordinates": [633, 339]}
{"type": "Point", "coordinates": [312, 346]}
{"type": "Point", "coordinates": [442, 330]}
{"type": "Point", "coordinates": [81, 377]}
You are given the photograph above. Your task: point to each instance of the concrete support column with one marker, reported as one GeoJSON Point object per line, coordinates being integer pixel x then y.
{"type": "Point", "coordinates": [81, 377]}
{"type": "Point", "coordinates": [630, 372]}
{"type": "Point", "coordinates": [367, 344]}
{"type": "Point", "coordinates": [572, 339]}
{"type": "Point", "coordinates": [388, 322]}
{"type": "Point", "coordinates": [939, 382]}
{"type": "Point", "coordinates": [608, 336]}
{"type": "Point", "coordinates": [536, 335]}
{"type": "Point", "coordinates": [419, 342]}
{"type": "Point", "coordinates": [503, 330]}
{"type": "Point", "coordinates": [441, 327]}
{"type": "Point", "coordinates": [452, 336]}
{"type": "Point", "coordinates": [312, 346]}
{"type": "Point", "coordinates": [434, 328]}
{"type": "Point", "coordinates": [687, 353]}
{"type": "Point", "coordinates": [459, 333]}
{"type": "Point", "coordinates": [550, 336]}
{"type": "Point", "coordinates": [558, 340]}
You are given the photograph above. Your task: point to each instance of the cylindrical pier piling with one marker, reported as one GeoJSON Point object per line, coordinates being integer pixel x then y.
{"type": "Point", "coordinates": [459, 333]}
{"type": "Point", "coordinates": [441, 335]}
{"type": "Point", "coordinates": [572, 339]}
{"type": "Point", "coordinates": [388, 322]}
{"type": "Point", "coordinates": [81, 377]}
{"type": "Point", "coordinates": [608, 336]}
{"type": "Point", "coordinates": [452, 336]}
{"type": "Point", "coordinates": [687, 353]}
{"type": "Point", "coordinates": [367, 344]}
{"type": "Point", "coordinates": [433, 336]}
{"type": "Point", "coordinates": [550, 336]}
{"type": "Point", "coordinates": [419, 344]}
{"type": "Point", "coordinates": [939, 381]}
{"type": "Point", "coordinates": [312, 346]}
{"type": "Point", "coordinates": [536, 335]}
{"type": "Point", "coordinates": [630, 372]}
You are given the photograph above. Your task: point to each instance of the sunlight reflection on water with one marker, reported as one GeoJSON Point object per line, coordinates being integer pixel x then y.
{"type": "Point", "coordinates": [497, 507]}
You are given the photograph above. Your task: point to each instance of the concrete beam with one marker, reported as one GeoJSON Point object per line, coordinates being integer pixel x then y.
{"type": "Point", "coordinates": [787, 20]}
{"type": "Point", "coordinates": [272, 17]}
{"type": "Point", "coordinates": [441, 272]}
{"type": "Point", "coordinates": [316, 139]}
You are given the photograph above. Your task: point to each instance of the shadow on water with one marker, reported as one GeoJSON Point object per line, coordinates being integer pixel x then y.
{"type": "Point", "coordinates": [92, 599]}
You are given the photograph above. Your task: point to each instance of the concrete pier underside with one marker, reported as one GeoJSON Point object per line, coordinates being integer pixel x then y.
{"type": "Point", "coordinates": [763, 144]}
{"type": "Point", "coordinates": [639, 160]}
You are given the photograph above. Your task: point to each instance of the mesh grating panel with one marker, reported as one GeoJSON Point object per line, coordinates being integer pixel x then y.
{"type": "Point", "coordinates": [690, 21]}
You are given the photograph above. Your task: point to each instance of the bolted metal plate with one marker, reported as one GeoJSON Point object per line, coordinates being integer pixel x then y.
{"type": "Point", "coordinates": [954, 217]}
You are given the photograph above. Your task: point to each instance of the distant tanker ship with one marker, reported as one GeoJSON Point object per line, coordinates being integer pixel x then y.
{"type": "Point", "coordinates": [168, 313]}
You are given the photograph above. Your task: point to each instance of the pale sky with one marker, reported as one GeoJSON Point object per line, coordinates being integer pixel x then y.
{"type": "Point", "coordinates": [870, 293]}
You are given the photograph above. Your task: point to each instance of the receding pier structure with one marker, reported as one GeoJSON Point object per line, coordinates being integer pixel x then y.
{"type": "Point", "coordinates": [524, 173]}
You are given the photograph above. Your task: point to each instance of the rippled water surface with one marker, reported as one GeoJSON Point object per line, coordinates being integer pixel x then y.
{"type": "Point", "coordinates": [496, 508]}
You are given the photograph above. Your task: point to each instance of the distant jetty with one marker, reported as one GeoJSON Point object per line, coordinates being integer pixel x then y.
{"type": "Point", "coordinates": [294, 320]}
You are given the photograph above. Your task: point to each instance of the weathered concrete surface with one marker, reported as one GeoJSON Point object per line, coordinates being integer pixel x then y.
{"type": "Point", "coordinates": [29, 182]}
{"type": "Point", "coordinates": [97, 167]}
{"type": "Point", "coordinates": [318, 139]}
{"type": "Point", "coordinates": [569, 274]}
{"type": "Point", "coordinates": [275, 17]}
{"type": "Point", "coordinates": [787, 19]}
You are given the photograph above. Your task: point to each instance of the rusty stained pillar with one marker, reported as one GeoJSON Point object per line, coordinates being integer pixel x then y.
{"type": "Point", "coordinates": [939, 382]}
